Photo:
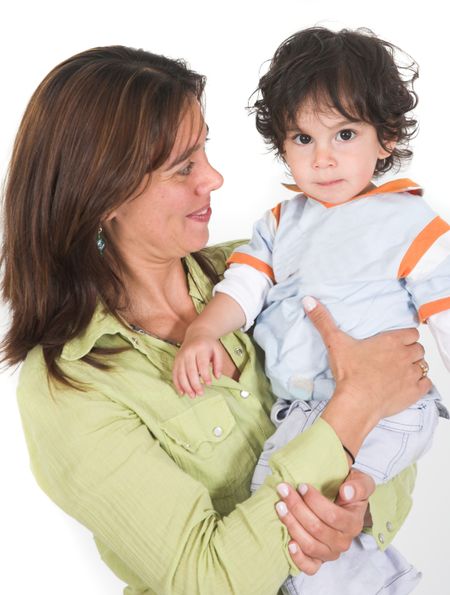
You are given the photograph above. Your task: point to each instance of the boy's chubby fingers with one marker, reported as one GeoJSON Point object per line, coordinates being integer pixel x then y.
{"type": "Point", "coordinates": [217, 362]}
{"type": "Point", "coordinates": [203, 362]}
{"type": "Point", "coordinates": [194, 386]}
{"type": "Point", "coordinates": [183, 383]}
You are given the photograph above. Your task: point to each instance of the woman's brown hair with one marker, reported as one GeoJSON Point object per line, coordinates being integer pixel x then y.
{"type": "Point", "coordinates": [96, 125]}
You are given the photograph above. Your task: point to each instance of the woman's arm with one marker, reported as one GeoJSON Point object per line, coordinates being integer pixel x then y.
{"type": "Point", "coordinates": [322, 529]}
{"type": "Point", "coordinates": [156, 524]}
{"type": "Point", "coordinates": [375, 377]}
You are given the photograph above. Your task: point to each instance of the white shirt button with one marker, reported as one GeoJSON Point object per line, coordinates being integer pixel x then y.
{"type": "Point", "coordinates": [239, 351]}
{"type": "Point", "coordinates": [381, 537]}
{"type": "Point", "coordinates": [217, 431]}
{"type": "Point", "coordinates": [244, 394]}
{"type": "Point", "coordinates": [389, 526]}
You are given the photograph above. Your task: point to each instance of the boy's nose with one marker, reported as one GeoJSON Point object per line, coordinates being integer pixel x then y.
{"type": "Point", "coordinates": [323, 157]}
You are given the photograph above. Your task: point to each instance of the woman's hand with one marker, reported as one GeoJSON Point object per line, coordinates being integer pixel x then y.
{"type": "Point", "coordinates": [375, 377]}
{"type": "Point", "coordinates": [321, 530]}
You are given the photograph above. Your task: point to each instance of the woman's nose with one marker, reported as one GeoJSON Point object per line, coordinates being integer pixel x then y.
{"type": "Point", "coordinates": [212, 180]}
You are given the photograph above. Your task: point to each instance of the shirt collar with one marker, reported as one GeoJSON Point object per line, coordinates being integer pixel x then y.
{"type": "Point", "coordinates": [394, 186]}
{"type": "Point", "coordinates": [104, 323]}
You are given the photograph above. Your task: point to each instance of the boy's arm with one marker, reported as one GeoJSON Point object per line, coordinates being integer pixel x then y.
{"type": "Point", "coordinates": [238, 298]}
{"type": "Point", "coordinates": [201, 348]}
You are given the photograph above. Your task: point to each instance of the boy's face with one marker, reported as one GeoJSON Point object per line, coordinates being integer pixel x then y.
{"type": "Point", "coordinates": [332, 159]}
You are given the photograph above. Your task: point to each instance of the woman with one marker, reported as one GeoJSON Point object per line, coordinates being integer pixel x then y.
{"type": "Point", "coordinates": [106, 220]}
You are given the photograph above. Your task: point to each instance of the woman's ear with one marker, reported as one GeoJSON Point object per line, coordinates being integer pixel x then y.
{"type": "Point", "coordinates": [110, 216]}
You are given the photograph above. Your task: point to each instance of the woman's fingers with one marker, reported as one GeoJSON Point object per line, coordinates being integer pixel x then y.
{"type": "Point", "coordinates": [345, 523]}
{"type": "Point", "coordinates": [320, 317]}
{"type": "Point", "coordinates": [308, 544]}
{"type": "Point", "coordinates": [357, 487]}
{"type": "Point", "coordinates": [407, 336]}
{"type": "Point", "coordinates": [303, 562]}
{"type": "Point", "coordinates": [309, 533]}
{"type": "Point", "coordinates": [316, 538]}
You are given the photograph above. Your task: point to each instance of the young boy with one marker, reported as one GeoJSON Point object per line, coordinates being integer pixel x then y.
{"type": "Point", "coordinates": [334, 106]}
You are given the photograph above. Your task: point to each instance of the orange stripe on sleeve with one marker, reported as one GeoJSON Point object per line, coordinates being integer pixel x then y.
{"type": "Point", "coordinates": [421, 244]}
{"type": "Point", "coordinates": [259, 265]}
{"type": "Point", "coordinates": [435, 307]}
{"type": "Point", "coordinates": [276, 212]}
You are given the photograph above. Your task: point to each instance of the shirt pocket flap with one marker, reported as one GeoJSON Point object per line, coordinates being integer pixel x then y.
{"type": "Point", "coordinates": [208, 421]}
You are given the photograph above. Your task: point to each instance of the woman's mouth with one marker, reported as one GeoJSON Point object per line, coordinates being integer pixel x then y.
{"type": "Point", "coordinates": [202, 215]}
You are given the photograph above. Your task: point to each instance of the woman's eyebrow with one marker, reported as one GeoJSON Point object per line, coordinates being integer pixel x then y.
{"type": "Point", "coordinates": [186, 154]}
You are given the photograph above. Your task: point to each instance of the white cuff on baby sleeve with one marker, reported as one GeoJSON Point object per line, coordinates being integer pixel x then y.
{"type": "Point", "coordinates": [439, 325]}
{"type": "Point", "coordinates": [248, 287]}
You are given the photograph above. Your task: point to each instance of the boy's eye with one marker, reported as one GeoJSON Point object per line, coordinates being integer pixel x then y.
{"type": "Point", "coordinates": [302, 139]}
{"type": "Point", "coordinates": [186, 170]}
{"type": "Point", "coordinates": [346, 135]}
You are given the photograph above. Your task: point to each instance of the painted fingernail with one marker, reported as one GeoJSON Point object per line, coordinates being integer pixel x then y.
{"type": "Point", "coordinates": [293, 548]}
{"type": "Point", "coordinates": [349, 492]}
{"type": "Point", "coordinates": [281, 508]}
{"type": "Point", "coordinates": [283, 490]}
{"type": "Point", "coordinates": [302, 489]}
{"type": "Point", "coordinates": [309, 303]}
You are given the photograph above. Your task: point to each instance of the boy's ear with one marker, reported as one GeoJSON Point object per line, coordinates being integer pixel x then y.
{"type": "Point", "coordinates": [385, 152]}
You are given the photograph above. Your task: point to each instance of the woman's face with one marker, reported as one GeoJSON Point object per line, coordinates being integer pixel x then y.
{"type": "Point", "coordinates": [169, 214]}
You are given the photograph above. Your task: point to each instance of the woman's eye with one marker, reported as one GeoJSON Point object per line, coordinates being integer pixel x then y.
{"type": "Point", "coordinates": [346, 135]}
{"type": "Point", "coordinates": [303, 139]}
{"type": "Point", "coordinates": [186, 170]}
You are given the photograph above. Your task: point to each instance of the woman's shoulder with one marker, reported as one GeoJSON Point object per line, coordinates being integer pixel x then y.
{"type": "Point", "coordinates": [218, 254]}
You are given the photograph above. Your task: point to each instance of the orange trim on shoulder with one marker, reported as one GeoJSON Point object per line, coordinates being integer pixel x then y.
{"type": "Point", "coordinates": [256, 263]}
{"type": "Point", "coordinates": [276, 212]}
{"type": "Point", "coordinates": [400, 185]}
{"type": "Point", "coordinates": [292, 187]}
{"type": "Point", "coordinates": [435, 307]}
{"type": "Point", "coordinates": [421, 244]}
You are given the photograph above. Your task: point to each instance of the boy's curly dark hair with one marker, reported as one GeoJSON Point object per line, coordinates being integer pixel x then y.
{"type": "Point", "coordinates": [354, 72]}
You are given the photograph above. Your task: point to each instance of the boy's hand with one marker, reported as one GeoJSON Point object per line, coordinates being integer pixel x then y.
{"type": "Point", "coordinates": [193, 362]}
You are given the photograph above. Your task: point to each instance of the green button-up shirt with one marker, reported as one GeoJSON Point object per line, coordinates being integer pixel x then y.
{"type": "Point", "coordinates": [162, 481]}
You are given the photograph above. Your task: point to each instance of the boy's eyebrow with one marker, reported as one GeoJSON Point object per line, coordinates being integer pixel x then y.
{"type": "Point", "coordinates": [339, 124]}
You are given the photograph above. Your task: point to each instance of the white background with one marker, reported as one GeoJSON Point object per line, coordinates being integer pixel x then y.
{"type": "Point", "coordinates": [42, 550]}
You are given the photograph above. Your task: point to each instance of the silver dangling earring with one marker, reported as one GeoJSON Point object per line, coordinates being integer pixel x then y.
{"type": "Point", "coordinates": [101, 244]}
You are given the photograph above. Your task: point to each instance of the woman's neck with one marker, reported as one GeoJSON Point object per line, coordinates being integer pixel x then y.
{"type": "Point", "coordinates": [158, 298]}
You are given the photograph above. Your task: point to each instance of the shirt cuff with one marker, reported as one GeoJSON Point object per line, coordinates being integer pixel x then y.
{"type": "Point", "coordinates": [390, 505]}
{"type": "Point", "coordinates": [325, 467]}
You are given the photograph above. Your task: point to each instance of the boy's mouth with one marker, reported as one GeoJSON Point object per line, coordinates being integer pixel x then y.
{"type": "Point", "coordinates": [329, 183]}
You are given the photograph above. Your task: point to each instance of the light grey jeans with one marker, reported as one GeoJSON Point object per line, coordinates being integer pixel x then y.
{"type": "Point", "coordinates": [394, 444]}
